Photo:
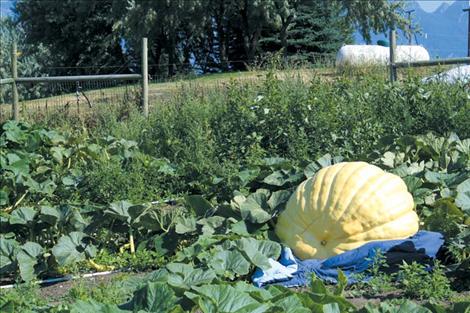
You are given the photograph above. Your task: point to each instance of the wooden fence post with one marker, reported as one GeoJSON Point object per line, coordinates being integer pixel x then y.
{"type": "Point", "coordinates": [145, 79]}
{"type": "Point", "coordinates": [14, 73]}
{"type": "Point", "coordinates": [393, 47]}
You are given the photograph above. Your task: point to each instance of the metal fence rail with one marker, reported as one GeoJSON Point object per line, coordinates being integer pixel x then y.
{"type": "Point", "coordinates": [78, 78]}
{"type": "Point", "coordinates": [15, 80]}
{"type": "Point", "coordinates": [433, 62]}
{"type": "Point", "coordinates": [396, 65]}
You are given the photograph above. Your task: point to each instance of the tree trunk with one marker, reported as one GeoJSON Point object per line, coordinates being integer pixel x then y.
{"type": "Point", "coordinates": [283, 35]}
{"type": "Point", "coordinates": [171, 48]}
{"type": "Point", "coordinates": [155, 70]}
{"type": "Point", "coordinates": [222, 36]}
{"type": "Point", "coordinates": [247, 38]}
{"type": "Point", "coordinates": [171, 60]}
{"type": "Point", "coordinates": [253, 45]}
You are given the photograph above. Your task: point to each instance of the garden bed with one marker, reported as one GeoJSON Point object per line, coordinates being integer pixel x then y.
{"type": "Point", "coordinates": [78, 195]}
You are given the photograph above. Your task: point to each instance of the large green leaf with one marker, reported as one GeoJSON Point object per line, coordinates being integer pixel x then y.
{"type": "Point", "coordinates": [46, 187]}
{"type": "Point", "coordinates": [259, 251]}
{"type": "Point", "coordinates": [248, 175]}
{"type": "Point", "coordinates": [184, 276]}
{"type": "Point", "coordinates": [463, 195]}
{"type": "Point", "coordinates": [291, 304]}
{"type": "Point", "coordinates": [4, 197]}
{"type": "Point", "coordinates": [412, 183]}
{"type": "Point", "coordinates": [283, 177]}
{"type": "Point", "coordinates": [155, 218]}
{"type": "Point", "coordinates": [278, 199]}
{"type": "Point", "coordinates": [19, 167]}
{"type": "Point", "coordinates": [442, 178]}
{"type": "Point", "coordinates": [8, 251]}
{"type": "Point", "coordinates": [210, 224]}
{"type": "Point", "coordinates": [70, 248]}
{"type": "Point", "coordinates": [331, 308]}
{"type": "Point", "coordinates": [185, 224]}
{"type": "Point", "coordinates": [154, 297]}
{"type": "Point", "coordinates": [13, 132]}
{"type": "Point", "coordinates": [22, 216]}
{"type": "Point", "coordinates": [52, 137]}
{"type": "Point", "coordinates": [461, 307]}
{"type": "Point", "coordinates": [27, 258]}
{"type": "Point", "coordinates": [201, 206]}
{"type": "Point", "coordinates": [120, 210]}
{"type": "Point", "coordinates": [227, 263]}
{"type": "Point", "coordinates": [59, 153]}
{"type": "Point", "coordinates": [276, 162]}
{"type": "Point", "coordinates": [221, 299]}
{"type": "Point", "coordinates": [50, 215]}
{"type": "Point", "coordinates": [95, 307]}
{"type": "Point", "coordinates": [253, 208]}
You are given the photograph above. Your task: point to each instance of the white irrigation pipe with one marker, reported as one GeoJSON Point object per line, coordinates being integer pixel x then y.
{"type": "Point", "coordinates": [168, 201]}
{"type": "Point", "coordinates": [65, 278]}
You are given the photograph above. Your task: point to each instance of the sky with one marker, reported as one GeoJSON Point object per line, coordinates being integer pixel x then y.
{"type": "Point", "coordinates": [431, 5]}
{"type": "Point", "coordinates": [5, 6]}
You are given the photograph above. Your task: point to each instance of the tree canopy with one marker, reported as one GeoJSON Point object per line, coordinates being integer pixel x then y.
{"type": "Point", "coordinates": [207, 35]}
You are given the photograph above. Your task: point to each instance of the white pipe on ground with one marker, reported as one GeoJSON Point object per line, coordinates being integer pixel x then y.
{"type": "Point", "coordinates": [65, 278]}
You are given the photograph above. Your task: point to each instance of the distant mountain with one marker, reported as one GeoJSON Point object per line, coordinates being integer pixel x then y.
{"type": "Point", "coordinates": [443, 32]}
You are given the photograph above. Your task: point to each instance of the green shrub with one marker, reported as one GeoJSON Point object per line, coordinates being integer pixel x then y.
{"type": "Point", "coordinates": [421, 284]}
{"type": "Point", "coordinates": [211, 131]}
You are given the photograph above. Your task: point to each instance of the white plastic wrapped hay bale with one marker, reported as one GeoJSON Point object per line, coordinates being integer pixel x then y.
{"type": "Point", "coordinates": [363, 55]}
{"type": "Point", "coordinates": [457, 75]}
{"type": "Point", "coordinates": [411, 54]}
{"type": "Point", "coordinates": [356, 55]}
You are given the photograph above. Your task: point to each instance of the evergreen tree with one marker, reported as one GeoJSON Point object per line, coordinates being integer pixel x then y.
{"type": "Point", "coordinates": [317, 28]}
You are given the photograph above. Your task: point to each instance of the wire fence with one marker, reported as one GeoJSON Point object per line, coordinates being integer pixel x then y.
{"type": "Point", "coordinates": [43, 99]}
{"type": "Point", "coordinates": [46, 99]}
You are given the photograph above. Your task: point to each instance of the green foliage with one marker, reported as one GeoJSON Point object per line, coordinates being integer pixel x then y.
{"type": "Point", "coordinates": [212, 34]}
{"type": "Point", "coordinates": [23, 298]}
{"type": "Point", "coordinates": [380, 281]}
{"type": "Point", "coordinates": [141, 260]}
{"type": "Point", "coordinates": [307, 30]}
{"type": "Point", "coordinates": [76, 33]}
{"type": "Point", "coordinates": [418, 283]}
{"type": "Point", "coordinates": [115, 292]}
{"type": "Point", "coordinates": [31, 62]}
{"type": "Point", "coordinates": [231, 161]}
{"type": "Point", "coordinates": [189, 142]}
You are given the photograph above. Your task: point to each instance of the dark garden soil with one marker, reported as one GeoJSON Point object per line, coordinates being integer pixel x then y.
{"type": "Point", "coordinates": [56, 293]}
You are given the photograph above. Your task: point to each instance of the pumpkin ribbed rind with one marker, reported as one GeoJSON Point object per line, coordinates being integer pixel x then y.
{"type": "Point", "coordinates": [345, 206]}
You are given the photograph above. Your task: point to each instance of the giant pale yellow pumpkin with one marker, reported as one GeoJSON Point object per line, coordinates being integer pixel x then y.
{"type": "Point", "coordinates": [343, 207]}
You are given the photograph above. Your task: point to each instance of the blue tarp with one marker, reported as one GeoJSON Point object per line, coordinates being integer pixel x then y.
{"type": "Point", "coordinates": [290, 271]}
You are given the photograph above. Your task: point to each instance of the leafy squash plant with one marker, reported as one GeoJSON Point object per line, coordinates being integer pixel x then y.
{"type": "Point", "coordinates": [437, 173]}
